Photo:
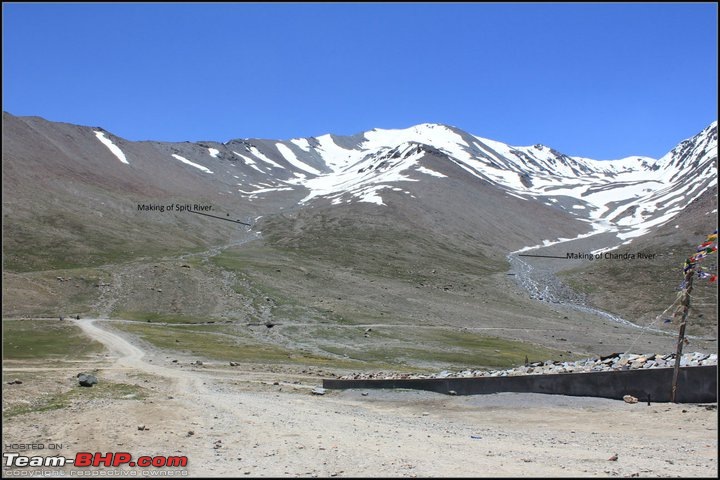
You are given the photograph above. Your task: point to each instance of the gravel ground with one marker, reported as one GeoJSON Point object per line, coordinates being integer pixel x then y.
{"type": "Point", "coordinates": [234, 422]}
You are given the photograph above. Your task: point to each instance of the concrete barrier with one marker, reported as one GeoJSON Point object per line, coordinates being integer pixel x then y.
{"type": "Point", "coordinates": [695, 384]}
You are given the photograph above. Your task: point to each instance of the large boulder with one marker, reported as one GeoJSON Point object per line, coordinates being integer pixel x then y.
{"type": "Point", "coordinates": [86, 380]}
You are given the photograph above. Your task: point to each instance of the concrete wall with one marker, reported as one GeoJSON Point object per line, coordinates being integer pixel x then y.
{"type": "Point", "coordinates": [695, 384]}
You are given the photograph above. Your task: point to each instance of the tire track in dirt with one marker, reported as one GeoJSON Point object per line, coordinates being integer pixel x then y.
{"type": "Point", "coordinates": [130, 356]}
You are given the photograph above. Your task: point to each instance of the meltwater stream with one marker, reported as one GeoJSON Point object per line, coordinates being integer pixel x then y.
{"type": "Point", "coordinates": [544, 286]}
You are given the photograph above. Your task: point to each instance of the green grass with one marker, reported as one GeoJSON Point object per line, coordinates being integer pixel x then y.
{"type": "Point", "coordinates": [220, 343]}
{"type": "Point", "coordinates": [45, 339]}
{"type": "Point", "coordinates": [443, 348]}
{"type": "Point", "coordinates": [54, 401]}
{"type": "Point", "coordinates": [153, 317]}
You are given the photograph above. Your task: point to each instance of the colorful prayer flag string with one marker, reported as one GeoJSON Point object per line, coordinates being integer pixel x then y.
{"type": "Point", "coordinates": [701, 252]}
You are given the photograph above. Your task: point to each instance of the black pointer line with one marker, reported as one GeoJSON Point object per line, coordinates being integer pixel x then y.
{"type": "Point", "coordinates": [220, 218]}
{"type": "Point", "coordinates": [541, 256]}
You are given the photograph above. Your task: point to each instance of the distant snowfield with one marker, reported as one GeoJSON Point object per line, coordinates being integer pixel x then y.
{"type": "Point", "coordinates": [192, 164]}
{"type": "Point", "coordinates": [113, 148]}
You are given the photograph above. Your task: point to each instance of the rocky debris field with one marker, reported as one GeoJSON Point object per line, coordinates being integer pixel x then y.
{"type": "Point", "coordinates": [613, 362]}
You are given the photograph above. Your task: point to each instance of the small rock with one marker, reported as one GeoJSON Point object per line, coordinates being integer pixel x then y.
{"type": "Point", "coordinates": [318, 391]}
{"type": "Point", "coordinates": [613, 458]}
{"type": "Point", "coordinates": [15, 382]}
{"type": "Point", "coordinates": [142, 428]}
{"type": "Point", "coordinates": [452, 392]}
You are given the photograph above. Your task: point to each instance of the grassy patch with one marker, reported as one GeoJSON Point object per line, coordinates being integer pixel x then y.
{"type": "Point", "coordinates": [207, 342]}
{"type": "Point", "coordinates": [30, 339]}
{"type": "Point", "coordinates": [443, 348]}
{"type": "Point", "coordinates": [218, 343]}
{"type": "Point", "coordinates": [153, 317]}
{"type": "Point", "coordinates": [64, 238]}
{"type": "Point", "coordinates": [54, 401]}
{"type": "Point", "coordinates": [59, 241]}
{"type": "Point", "coordinates": [51, 292]}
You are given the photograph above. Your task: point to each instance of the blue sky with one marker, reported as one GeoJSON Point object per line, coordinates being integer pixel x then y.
{"type": "Point", "coordinates": [596, 80]}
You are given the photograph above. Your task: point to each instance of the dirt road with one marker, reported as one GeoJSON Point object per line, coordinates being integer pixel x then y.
{"type": "Point", "coordinates": [236, 422]}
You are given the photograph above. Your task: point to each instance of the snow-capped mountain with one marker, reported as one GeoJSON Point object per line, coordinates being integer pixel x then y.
{"type": "Point", "coordinates": [628, 196]}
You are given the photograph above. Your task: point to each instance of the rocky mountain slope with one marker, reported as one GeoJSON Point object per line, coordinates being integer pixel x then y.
{"type": "Point", "coordinates": [395, 227]}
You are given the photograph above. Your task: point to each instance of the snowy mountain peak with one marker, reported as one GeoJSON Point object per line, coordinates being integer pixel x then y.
{"type": "Point", "coordinates": [626, 196]}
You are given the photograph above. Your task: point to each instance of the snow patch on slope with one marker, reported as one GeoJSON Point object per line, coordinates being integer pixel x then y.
{"type": "Point", "coordinates": [113, 148]}
{"type": "Point", "coordinates": [249, 161]}
{"type": "Point", "coordinates": [302, 143]}
{"type": "Point", "coordinates": [192, 164]}
{"type": "Point", "coordinates": [264, 158]}
{"type": "Point", "coordinates": [427, 171]}
{"type": "Point", "coordinates": [293, 160]}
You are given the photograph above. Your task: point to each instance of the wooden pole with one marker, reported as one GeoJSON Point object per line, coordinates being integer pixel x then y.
{"type": "Point", "coordinates": [685, 304]}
